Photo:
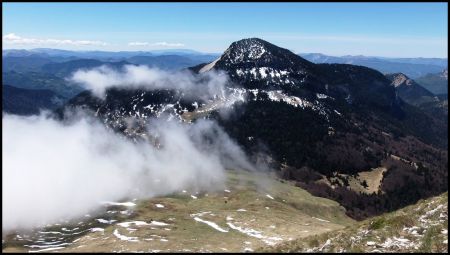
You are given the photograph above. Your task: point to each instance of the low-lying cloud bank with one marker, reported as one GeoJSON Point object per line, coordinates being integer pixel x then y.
{"type": "Point", "coordinates": [15, 39]}
{"type": "Point", "coordinates": [60, 170]}
{"type": "Point", "coordinates": [201, 86]}
{"type": "Point", "coordinates": [56, 170]}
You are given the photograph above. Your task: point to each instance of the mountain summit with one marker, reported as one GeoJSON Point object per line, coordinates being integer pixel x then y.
{"type": "Point", "coordinates": [260, 64]}
{"type": "Point", "coordinates": [320, 124]}
{"type": "Point", "coordinates": [258, 52]}
{"type": "Point", "coordinates": [257, 64]}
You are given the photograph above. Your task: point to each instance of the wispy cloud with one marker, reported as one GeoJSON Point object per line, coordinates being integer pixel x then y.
{"type": "Point", "coordinates": [165, 44]}
{"type": "Point", "coordinates": [138, 44]}
{"type": "Point", "coordinates": [161, 44]}
{"type": "Point", "coordinates": [15, 39]}
{"type": "Point", "coordinates": [203, 86]}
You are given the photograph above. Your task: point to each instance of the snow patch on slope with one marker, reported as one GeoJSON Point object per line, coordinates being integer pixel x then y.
{"type": "Point", "coordinates": [211, 224]}
{"type": "Point", "coordinates": [208, 66]}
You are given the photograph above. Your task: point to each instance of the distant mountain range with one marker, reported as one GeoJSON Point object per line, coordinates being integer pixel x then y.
{"type": "Point", "coordinates": [29, 101]}
{"type": "Point", "coordinates": [105, 55]}
{"type": "Point", "coordinates": [32, 60]}
{"type": "Point", "coordinates": [38, 63]}
{"type": "Point", "coordinates": [319, 57]}
{"type": "Point", "coordinates": [41, 80]}
{"type": "Point", "coordinates": [437, 83]}
{"type": "Point", "coordinates": [412, 67]}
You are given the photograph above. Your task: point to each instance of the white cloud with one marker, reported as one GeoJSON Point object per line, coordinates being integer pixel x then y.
{"type": "Point", "coordinates": [160, 44]}
{"type": "Point", "coordinates": [165, 44]}
{"type": "Point", "coordinates": [71, 167]}
{"type": "Point", "coordinates": [15, 39]}
{"type": "Point", "coordinates": [203, 86]}
{"type": "Point", "coordinates": [138, 44]}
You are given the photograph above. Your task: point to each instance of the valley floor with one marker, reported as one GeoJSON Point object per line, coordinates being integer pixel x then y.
{"type": "Point", "coordinates": [251, 212]}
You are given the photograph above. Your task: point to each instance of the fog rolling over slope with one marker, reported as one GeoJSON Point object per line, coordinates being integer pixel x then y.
{"type": "Point", "coordinates": [102, 166]}
{"type": "Point", "coordinates": [99, 80]}
{"type": "Point", "coordinates": [82, 161]}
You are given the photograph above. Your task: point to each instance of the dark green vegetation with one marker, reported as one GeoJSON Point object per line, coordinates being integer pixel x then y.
{"type": "Point", "coordinates": [29, 101]}
{"type": "Point", "coordinates": [40, 80]}
{"type": "Point", "coordinates": [298, 138]}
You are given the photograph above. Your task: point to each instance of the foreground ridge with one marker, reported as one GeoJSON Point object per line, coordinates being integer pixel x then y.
{"type": "Point", "coordinates": [422, 227]}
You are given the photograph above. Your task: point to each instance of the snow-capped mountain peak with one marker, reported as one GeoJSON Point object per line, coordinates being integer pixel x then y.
{"type": "Point", "coordinates": [246, 50]}
{"type": "Point", "coordinates": [259, 52]}
{"type": "Point", "coordinates": [256, 63]}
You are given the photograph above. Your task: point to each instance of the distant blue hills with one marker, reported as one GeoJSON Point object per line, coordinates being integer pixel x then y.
{"type": "Point", "coordinates": [181, 58]}
{"type": "Point", "coordinates": [412, 67]}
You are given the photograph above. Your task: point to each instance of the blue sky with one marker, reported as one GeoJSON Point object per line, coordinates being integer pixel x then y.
{"type": "Point", "coordinates": [372, 29]}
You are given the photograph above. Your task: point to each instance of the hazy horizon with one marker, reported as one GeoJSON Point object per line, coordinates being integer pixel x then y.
{"type": "Point", "coordinates": [335, 29]}
{"type": "Point", "coordinates": [212, 53]}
